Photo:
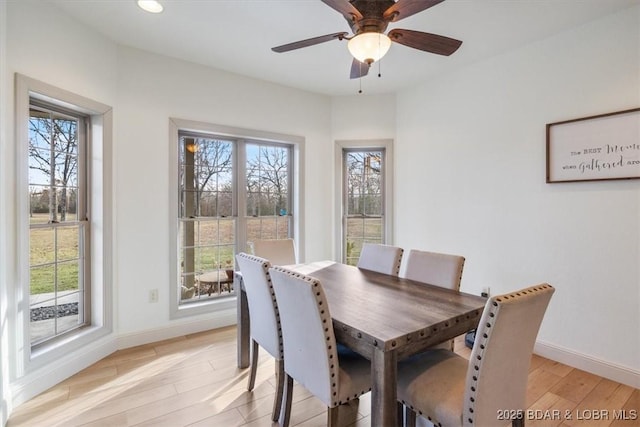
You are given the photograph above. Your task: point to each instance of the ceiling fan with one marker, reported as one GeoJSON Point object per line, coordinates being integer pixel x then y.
{"type": "Point", "coordinates": [368, 20]}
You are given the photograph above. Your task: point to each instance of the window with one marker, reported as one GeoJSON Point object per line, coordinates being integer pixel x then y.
{"type": "Point", "coordinates": [365, 195]}
{"type": "Point", "coordinates": [64, 235]}
{"type": "Point", "coordinates": [57, 222]}
{"type": "Point", "coordinates": [231, 189]}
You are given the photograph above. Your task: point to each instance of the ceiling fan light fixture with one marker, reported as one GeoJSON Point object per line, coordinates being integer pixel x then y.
{"type": "Point", "coordinates": [192, 146]}
{"type": "Point", "coordinates": [369, 47]}
{"type": "Point", "coordinates": [151, 6]}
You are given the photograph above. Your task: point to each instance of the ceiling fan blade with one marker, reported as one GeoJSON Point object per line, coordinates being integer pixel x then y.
{"type": "Point", "coordinates": [345, 8]}
{"type": "Point", "coordinates": [425, 41]}
{"type": "Point", "coordinates": [358, 69]}
{"type": "Point", "coordinates": [308, 42]}
{"type": "Point", "coordinates": [404, 8]}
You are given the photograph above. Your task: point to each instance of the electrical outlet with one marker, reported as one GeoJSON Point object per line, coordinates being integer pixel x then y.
{"type": "Point", "coordinates": [153, 295]}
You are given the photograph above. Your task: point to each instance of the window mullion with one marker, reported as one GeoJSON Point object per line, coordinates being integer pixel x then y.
{"type": "Point", "coordinates": [240, 177]}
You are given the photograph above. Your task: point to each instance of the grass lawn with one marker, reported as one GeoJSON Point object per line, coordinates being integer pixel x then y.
{"type": "Point", "coordinates": [213, 247]}
{"type": "Point", "coordinates": [53, 254]}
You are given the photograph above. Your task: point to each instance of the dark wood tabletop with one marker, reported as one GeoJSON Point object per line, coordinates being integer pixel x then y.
{"type": "Point", "coordinates": [385, 318]}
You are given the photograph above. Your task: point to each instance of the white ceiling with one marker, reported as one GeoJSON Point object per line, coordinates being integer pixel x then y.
{"type": "Point", "coordinates": [237, 35]}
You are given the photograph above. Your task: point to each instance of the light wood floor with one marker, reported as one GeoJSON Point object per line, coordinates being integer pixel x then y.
{"type": "Point", "coordinates": [194, 381]}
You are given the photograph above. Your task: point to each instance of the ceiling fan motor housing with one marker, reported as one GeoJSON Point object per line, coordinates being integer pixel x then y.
{"type": "Point", "coordinates": [372, 20]}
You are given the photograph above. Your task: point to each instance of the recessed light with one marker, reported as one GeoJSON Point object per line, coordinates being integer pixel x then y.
{"type": "Point", "coordinates": [150, 6]}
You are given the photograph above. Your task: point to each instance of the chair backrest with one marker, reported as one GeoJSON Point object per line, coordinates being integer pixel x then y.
{"type": "Point", "coordinates": [263, 308]}
{"type": "Point", "coordinates": [499, 363]}
{"type": "Point", "coordinates": [277, 251]}
{"type": "Point", "coordinates": [381, 258]}
{"type": "Point", "coordinates": [307, 330]}
{"type": "Point", "coordinates": [434, 268]}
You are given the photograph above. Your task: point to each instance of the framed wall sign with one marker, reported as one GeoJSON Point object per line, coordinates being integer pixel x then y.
{"type": "Point", "coordinates": [594, 148]}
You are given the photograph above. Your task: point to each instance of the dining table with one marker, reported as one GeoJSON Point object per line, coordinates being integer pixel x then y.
{"type": "Point", "coordinates": [384, 318]}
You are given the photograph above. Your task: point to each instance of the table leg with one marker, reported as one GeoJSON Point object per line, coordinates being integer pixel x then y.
{"type": "Point", "coordinates": [384, 371]}
{"type": "Point", "coordinates": [243, 336]}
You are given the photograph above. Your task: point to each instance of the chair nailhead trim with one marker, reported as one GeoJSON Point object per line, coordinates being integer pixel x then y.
{"type": "Point", "coordinates": [326, 318]}
{"type": "Point", "coordinates": [495, 306]}
{"type": "Point", "coordinates": [266, 265]}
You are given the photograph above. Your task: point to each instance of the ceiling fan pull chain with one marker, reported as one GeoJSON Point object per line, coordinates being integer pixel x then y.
{"type": "Point", "coordinates": [379, 47]}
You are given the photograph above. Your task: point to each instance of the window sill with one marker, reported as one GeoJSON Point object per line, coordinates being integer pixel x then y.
{"type": "Point", "coordinates": [204, 307]}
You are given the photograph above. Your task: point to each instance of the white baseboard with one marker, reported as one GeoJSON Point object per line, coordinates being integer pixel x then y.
{"type": "Point", "coordinates": [612, 371]}
{"type": "Point", "coordinates": [39, 380]}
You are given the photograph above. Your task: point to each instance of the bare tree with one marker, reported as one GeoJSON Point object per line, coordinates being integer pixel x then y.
{"type": "Point", "coordinates": [208, 160]}
{"type": "Point", "coordinates": [363, 181]}
{"type": "Point", "coordinates": [267, 176]}
{"type": "Point", "coordinates": [53, 151]}
{"type": "Point", "coordinates": [213, 159]}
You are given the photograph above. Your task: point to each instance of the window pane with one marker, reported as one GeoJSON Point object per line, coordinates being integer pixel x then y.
{"type": "Point", "coordinates": [41, 246]}
{"type": "Point", "coordinates": [68, 243]}
{"type": "Point", "coordinates": [39, 166]}
{"type": "Point", "coordinates": [267, 180]}
{"type": "Point", "coordinates": [63, 201]}
{"type": "Point", "coordinates": [373, 230]}
{"type": "Point", "coordinates": [54, 307]}
{"type": "Point", "coordinates": [53, 165]}
{"type": "Point", "coordinates": [227, 231]}
{"type": "Point", "coordinates": [206, 173]}
{"type": "Point", "coordinates": [363, 201]}
{"type": "Point", "coordinates": [68, 276]}
{"type": "Point", "coordinates": [42, 280]}
{"type": "Point", "coordinates": [206, 258]}
{"type": "Point", "coordinates": [254, 229]}
{"type": "Point", "coordinates": [208, 250]}
{"type": "Point", "coordinates": [268, 228]}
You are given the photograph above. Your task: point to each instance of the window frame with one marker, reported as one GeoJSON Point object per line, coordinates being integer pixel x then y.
{"type": "Point", "coordinates": [345, 146]}
{"type": "Point", "coordinates": [84, 233]}
{"type": "Point", "coordinates": [98, 204]}
{"type": "Point", "coordinates": [243, 137]}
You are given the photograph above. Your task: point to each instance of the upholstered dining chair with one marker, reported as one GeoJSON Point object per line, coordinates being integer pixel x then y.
{"type": "Point", "coordinates": [277, 251]}
{"type": "Point", "coordinates": [449, 390]}
{"type": "Point", "coordinates": [380, 258]}
{"type": "Point", "coordinates": [310, 350]}
{"type": "Point", "coordinates": [265, 321]}
{"type": "Point", "coordinates": [436, 269]}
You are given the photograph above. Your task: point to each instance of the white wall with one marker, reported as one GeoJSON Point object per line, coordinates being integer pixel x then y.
{"type": "Point", "coordinates": [363, 117]}
{"type": "Point", "coordinates": [470, 156]}
{"type": "Point", "coordinates": [151, 89]}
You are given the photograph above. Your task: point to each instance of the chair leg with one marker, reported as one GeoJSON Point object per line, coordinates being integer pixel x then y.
{"type": "Point", "coordinates": [332, 416]}
{"type": "Point", "coordinates": [277, 401]}
{"type": "Point", "coordinates": [285, 414]}
{"type": "Point", "coordinates": [254, 365]}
